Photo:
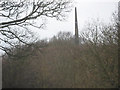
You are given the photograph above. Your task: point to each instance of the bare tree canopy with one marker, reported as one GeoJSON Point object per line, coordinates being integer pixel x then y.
{"type": "Point", "coordinates": [17, 15]}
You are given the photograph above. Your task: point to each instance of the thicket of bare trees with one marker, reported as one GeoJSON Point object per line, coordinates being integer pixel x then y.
{"type": "Point", "coordinates": [18, 16]}
{"type": "Point", "coordinates": [61, 63]}
{"type": "Point", "coordinates": [102, 41]}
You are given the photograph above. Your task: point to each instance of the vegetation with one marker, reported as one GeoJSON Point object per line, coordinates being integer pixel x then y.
{"type": "Point", "coordinates": [60, 63]}
{"type": "Point", "coordinates": [18, 16]}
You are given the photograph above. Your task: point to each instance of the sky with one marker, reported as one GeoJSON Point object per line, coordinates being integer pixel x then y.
{"type": "Point", "coordinates": [87, 10]}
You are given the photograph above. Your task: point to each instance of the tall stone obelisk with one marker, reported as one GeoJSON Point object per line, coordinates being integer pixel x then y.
{"type": "Point", "coordinates": [76, 28]}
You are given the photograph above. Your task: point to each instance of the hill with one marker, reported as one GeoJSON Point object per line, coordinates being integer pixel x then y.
{"type": "Point", "coordinates": [60, 63]}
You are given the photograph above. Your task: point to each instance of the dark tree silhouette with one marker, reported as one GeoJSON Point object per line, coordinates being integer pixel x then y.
{"type": "Point", "coordinates": [17, 15]}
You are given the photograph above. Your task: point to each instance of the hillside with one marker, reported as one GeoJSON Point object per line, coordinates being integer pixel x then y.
{"type": "Point", "coordinates": [62, 64]}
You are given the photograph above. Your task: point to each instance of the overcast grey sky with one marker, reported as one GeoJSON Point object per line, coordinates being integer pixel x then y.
{"type": "Point", "coordinates": [87, 10]}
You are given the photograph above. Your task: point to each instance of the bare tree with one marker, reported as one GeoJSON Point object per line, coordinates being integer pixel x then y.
{"type": "Point", "coordinates": [16, 16]}
{"type": "Point", "coordinates": [102, 39]}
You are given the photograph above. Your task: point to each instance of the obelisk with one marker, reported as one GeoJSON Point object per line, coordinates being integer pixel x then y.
{"type": "Point", "coordinates": [76, 28]}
